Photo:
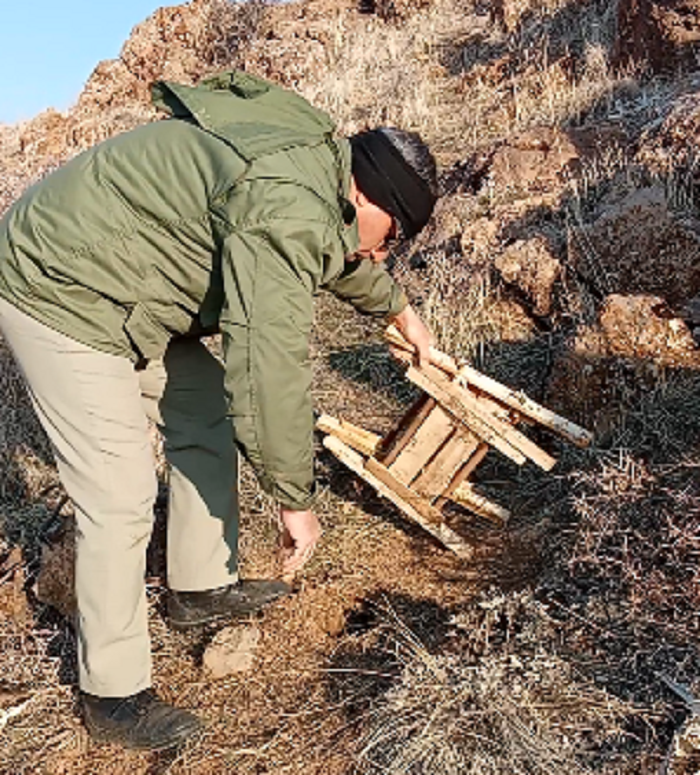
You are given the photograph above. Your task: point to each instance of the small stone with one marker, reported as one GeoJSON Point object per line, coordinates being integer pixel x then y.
{"type": "Point", "coordinates": [231, 651]}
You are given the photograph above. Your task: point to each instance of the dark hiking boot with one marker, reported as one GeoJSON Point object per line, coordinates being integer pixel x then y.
{"type": "Point", "coordinates": [141, 721]}
{"type": "Point", "coordinates": [194, 609]}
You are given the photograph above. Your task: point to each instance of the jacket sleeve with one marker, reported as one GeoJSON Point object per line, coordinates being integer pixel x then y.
{"type": "Point", "coordinates": [369, 288]}
{"type": "Point", "coordinates": [266, 321]}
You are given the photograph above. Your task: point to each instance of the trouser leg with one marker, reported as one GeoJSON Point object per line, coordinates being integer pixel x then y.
{"type": "Point", "coordinates": [90, 406]}
{"type": "Point", "coordinates": [185, 394]}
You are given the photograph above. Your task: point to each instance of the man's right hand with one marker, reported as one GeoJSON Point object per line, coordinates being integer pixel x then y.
{"type": "Point", "coordinates": [301, 531]}
{"type": "Point", "coordinates": [416, 332]}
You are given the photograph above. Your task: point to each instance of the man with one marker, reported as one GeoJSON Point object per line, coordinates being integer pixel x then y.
{"type": "Point", "coordinates": [228, 216]}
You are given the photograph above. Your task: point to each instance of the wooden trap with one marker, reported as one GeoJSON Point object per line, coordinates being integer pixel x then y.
{"type": "Point", "coordinates": [428, 457]}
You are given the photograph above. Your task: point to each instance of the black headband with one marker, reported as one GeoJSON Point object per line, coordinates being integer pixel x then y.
{"type": "Point", "coordinates": [389, 181]}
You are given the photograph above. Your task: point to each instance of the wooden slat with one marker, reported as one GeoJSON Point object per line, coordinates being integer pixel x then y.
{"type": "Point", "coordinates": [388, 486]}
{"type": "Point", "coordinates": [464, 473]}
{"type": "Point", "coordinates": [467, 497]}
{"type": "Point", "coordinates": [358, 438]}
{"type": "Point", "coordinates": [512, 398]}
{"type": "Point", "coordinates": [397, 439]}
{"type": "Point", "coordinates": [437, 475]}
{"type": "Point", "coordinates": [478, 417]}
{"type": "Point", "coordinates": [428, 438]}
{"type": "Point", "coordinates": [526, 406]}
{"type": "Point", "coordinates": [464, 414]}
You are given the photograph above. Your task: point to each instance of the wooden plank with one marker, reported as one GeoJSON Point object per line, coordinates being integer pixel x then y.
{"type": "Point", "coordinates": [466, 496]}
{"type": "Point", "coordinates": [437, 475]}
{"type": "Point", "coordinates": [428, 438]}
{"type": "Point", "coordinates": [466, 375]}
{"type": "Point", "coordinates": [477, 417]}
{"type": "Point", "coordinates": [464, 472]}
{"type": "Point", "coordinates": [464, 414]}
{"type": "Point", "coordinates": [389, 487]}
{"type": "Point", "coordinates": [526, 406]}
{"type": "Point", "coordinates": [358, 438]}
{"type": "Point", "coordinates": [397, 439]}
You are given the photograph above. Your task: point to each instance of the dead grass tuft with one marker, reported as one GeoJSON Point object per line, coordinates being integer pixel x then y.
{"type": "Point", "coordinates": [512, 710]}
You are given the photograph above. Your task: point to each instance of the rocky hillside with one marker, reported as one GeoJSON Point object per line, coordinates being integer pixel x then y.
{"type": "Point", "coordinates": [564, 259]}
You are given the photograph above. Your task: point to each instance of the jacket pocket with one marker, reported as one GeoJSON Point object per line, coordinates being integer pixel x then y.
{"type": "Point", "coordinates": [147, 335]}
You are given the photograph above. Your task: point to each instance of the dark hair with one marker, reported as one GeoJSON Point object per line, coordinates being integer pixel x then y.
{"type": "Point", "coordinates": [415, 152]}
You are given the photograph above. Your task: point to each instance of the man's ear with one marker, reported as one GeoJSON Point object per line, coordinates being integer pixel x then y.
{"type": "Point", "coordinates": [360, 199]}
{"type": "Point", "coordinates": [355, 195]}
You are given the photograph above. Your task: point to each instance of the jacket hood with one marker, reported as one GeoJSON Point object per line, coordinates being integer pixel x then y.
{"type": "Point", "coordinates": [254, 116]}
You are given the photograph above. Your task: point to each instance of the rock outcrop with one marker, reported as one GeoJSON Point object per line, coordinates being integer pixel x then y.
{"type": "Point", "coordinates": [532, 267]}
{"type": "Point", "coordinates": [660, 35]}
{"type": "Point", "coordinates": [638, 245]}
{"type": "Point", "coordinates": [674, 143]}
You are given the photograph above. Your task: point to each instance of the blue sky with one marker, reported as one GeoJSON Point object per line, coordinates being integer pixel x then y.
{"type": "Point", "coordinates": [48, 48]}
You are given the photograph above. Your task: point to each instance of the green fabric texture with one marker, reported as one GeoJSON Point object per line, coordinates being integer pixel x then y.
{"type": "Point", "coordinates": [229, 216]}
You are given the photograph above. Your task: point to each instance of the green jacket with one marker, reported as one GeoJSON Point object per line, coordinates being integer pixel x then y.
{"type": "Point", "coordinates": [228, 216]}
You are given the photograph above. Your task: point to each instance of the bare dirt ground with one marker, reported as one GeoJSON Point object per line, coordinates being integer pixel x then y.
{"type": "Point", "coordinates": [562, 260]}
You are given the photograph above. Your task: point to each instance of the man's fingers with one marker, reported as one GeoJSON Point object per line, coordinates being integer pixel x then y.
{"type": "Point", "coordinates": [294, 560]}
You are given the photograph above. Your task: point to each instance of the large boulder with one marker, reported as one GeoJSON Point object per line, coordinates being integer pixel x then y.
{"type": "Point", "coordinates": [661, 34]}
{"type": "Point", "coordinates": [643, 328]}
{"type": "Point", "coordinates": [174, 42]}
{"type": "Point", "coordinates": [620, 355]}
{"type": "Point", "coordinates": [532, 267]}
{"type": "Point", "coordinates": [674, 142]}
{"type": "Point", "coordinates": [639, 246]}
{"type": "Point", "coordinates": [540, 161]}
{"type": "Point", "coordinates": [536, 160]}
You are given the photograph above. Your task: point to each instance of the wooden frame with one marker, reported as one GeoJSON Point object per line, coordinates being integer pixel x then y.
{"type": "Point", "coordinates": [428, 457]}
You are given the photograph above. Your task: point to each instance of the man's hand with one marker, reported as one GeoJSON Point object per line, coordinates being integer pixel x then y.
{"type": "Point", "coordinates": [300, 533]}
{"type": "Point", "coordinates": [415, 332]}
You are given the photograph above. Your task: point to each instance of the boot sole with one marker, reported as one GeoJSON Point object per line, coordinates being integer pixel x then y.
{"type": "Point", "coordinates": [232, 616]}
{"type": "Point", "coordinates": [104, 736]}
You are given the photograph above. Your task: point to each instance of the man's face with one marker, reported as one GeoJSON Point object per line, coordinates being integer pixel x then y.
{"type": "Point", "coordinates": [377, 229]}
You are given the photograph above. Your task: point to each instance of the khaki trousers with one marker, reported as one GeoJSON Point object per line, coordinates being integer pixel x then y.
{"type": "Point", "coordinates": [94, 408]}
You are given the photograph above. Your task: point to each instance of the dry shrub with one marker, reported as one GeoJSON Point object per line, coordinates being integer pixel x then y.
{"type": "Point", "coordinates": [502, 705]}
{"type": "Point", "coordinates": [639, 528]}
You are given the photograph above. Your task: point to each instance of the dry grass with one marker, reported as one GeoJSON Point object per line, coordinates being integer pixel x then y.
{"type": "Point", "coordinates": [515, 709]}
